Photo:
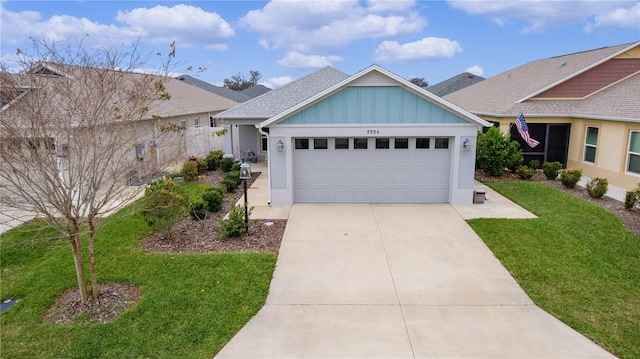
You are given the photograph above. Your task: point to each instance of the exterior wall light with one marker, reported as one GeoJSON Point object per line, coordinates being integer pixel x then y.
{"type": "Point", "coordinates": [466, 145]}
{"type": "Point", "coordinates": [280, 146]}
{"type": "Point", "coordinates": [245, 174]}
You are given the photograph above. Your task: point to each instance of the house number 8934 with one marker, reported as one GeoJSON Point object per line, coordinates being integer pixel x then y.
{"type": "Point", "coordinates": [373, 132]}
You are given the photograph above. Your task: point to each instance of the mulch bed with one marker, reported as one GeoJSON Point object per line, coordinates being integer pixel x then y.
{"type": "Point", "coordinates": [630, 219]}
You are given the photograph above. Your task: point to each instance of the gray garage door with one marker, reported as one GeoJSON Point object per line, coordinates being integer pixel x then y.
{"type": "Point", "coordinates": [371, 170]}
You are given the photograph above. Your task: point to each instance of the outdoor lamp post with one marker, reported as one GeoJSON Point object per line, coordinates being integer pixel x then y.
{"type": "Point", "coordinates": [245, 174]}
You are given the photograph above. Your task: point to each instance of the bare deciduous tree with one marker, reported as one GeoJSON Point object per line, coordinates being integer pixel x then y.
{"type": "Point", "coordinates": [72, 135]}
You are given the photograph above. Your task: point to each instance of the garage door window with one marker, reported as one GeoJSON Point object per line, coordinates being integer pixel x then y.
{"type": "Point", "coordinates": [422, 143]}
{"type": "Point", "coordinates": [382, 143]}
{"type": "Point", "coordinates": [442, 143]}
{"type": "Point", "coordinates": [319, 143]}
{"type": "Point", "coordinates": [360, 143]}
{"type": "Point", "coordinates": [302, 143]}
{"type": "Point", "coordinates": [401, 143]}
{"type": "Point", "coordinates": [342, 143]}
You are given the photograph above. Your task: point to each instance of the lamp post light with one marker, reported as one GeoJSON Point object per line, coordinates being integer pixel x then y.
{"type": "Point", "coordinates": [245, 174]}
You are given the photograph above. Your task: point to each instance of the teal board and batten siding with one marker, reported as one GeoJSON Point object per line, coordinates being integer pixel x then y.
{"type": "Point", "coordinates": [374, 104]}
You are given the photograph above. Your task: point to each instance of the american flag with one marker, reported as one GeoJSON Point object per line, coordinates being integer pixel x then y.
{"type": "Point", "coordinates": [521, 124]}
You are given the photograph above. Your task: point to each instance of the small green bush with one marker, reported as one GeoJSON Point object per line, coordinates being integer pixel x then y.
{"type": "Point", "coordinates": [551, 169]}
{"type": "Point", "coordinates": [597, 187]}
{"type": "Point", "coordinates": [213, 199]}
{"type": "Point", "coordinates": [198, 209]}
{"type": "Point", "coordinates": [235, 167]}
{"type": "Point", "coordinates": [202, 165]}
{"type": "Point", "coordinates": [632, 198]}
{"type": "Point", "coordinates": [228, 184]}
{"type": "Point", "coordinates": [234, 226]}
{"type": "Point", "coordinates": [213, 159]}
{"type": "Point", "coordinates": [190, 171]}
{"type": "Point", "coordinates": [226, 164]}
{"type": "Point", "coordinates": [570, 178]}
{"type": "Point", "coordinates": [496, 152]}
{"type": "Point", "coordinates": [524, 172]}
{"type": "Point", "coordinates": [233, 175]}
{"type": "Point", "coordinates": [534, 164]}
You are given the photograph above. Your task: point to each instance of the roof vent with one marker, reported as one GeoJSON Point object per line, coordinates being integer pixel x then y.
{"type": "Point", "coordinates": [563, 64]}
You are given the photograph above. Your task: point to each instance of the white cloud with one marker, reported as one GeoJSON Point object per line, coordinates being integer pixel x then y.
{"type": "Point", "coordinates": [386, 5]}
{"type": "Point", "coordinates": [329, 26]}
{"type": "Point", "coordinates": [538, 15]}
{"type": "Point", "coordinates": [616, 18]}
{"type": "Point", "coordinates": [187, 25]}
{"type": "Point", "coordinates": [276, 82]}
{"type": "Point", "coordinates": [300, 62]}
{"type": "Point", "coordinates": [428, 48]}
{"type": "Point", "coordinates": [476, 70]}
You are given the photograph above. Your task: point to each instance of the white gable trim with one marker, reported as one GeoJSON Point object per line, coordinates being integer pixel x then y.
{"type": "Point", "coordinates": [395, 80]}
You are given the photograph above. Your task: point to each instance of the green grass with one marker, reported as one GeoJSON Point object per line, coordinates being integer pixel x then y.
{"type": "Point", "coordinates": [576, 261]}
{"type": "Point", "coordinates": [191, 305]}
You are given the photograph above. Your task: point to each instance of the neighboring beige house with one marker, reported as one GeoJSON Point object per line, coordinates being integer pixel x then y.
{"type": "Point", "coordinates": [583, 108]}
{"type": "Point", "coordinates": [190, 110]}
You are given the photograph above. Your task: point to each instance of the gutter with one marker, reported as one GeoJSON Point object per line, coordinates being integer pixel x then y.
{"type": "Point", "coordinates": [264, 133]}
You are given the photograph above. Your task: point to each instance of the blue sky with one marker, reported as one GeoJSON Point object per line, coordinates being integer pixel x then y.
{"type": "Point", "coordinates": [287, 39]}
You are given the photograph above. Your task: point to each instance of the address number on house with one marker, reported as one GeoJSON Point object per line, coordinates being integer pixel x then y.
{"type": "Point", "coordinates": [373, 132]}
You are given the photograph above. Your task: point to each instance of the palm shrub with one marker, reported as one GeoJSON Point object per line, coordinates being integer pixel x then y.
{"type": "Point", "coordinates": [190, 171]}
{"type": "Point", "coordinates": [165, 203]}
{"type": "Point", "coordinates": [234, 226]}
{"type": "Point", "coordinates": [570, 178]}
{"type": "Point", "coordinates": [524, 172]}
{"type": "Point", "coordinates": [213, 197]}
{"type": "Point", "coordinates": [597, 187]}
{"type": "Point", "coordinates": [495, 152]}
{"type": "Point", "coordinates": [551, 169]}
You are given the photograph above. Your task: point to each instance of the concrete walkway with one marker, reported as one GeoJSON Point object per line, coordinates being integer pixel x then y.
{"type": "Point", "coordinates": [396, 281]}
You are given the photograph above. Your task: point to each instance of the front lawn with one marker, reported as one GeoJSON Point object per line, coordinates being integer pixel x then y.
{"type": "Point", "coordinates": [576, 261]}
{"type": "Point", "coordinates": [191, 304]}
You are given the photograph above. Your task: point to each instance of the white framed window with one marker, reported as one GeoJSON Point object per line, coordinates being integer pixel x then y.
{"type": "Point", "coordinates": [196, 122]}
{"type": "Point", "coordinates": [183, 124]}
{"type": "Point", "coordinates": [590, 144]}
{"type": "Point", "coordinates": [633, 157]}
{"type": "Point", "coordinates": [264, 146]}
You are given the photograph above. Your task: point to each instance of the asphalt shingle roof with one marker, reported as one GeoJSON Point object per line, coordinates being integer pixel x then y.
{"type": "Point", "coordinates": [277, 101]}
{"type": "Point", "coordinates": [454, 84]}
{"type": "Point", "coordinates": [500, 94]}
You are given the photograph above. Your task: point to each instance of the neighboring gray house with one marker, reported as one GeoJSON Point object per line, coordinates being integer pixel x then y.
{"type": "Point", "coordinates": [454, 84]}
{"type": "Point", "coordinates": [237, 96]}
{"type": "Point", "coordinates": [373, 137]}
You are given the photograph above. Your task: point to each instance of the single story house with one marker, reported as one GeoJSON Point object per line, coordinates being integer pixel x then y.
{"type": "Point", "coordinates": [583, 108]}
{"type": "Point", "coordinates": [372, 137]}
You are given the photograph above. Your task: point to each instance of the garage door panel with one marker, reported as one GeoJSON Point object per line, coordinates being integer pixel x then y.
{"type": "Point", "coordinates": [372, 175]}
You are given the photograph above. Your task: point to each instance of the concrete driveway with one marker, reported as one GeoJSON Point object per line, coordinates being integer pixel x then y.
{"type": "Point", "coordinates": [396, 281]}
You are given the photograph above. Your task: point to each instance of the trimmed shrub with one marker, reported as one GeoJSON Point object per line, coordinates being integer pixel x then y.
{"type": "Point", "coordinates": [597, 187]}
{"type": "Point", "coordinates": [534, 164]}
{"type": "Point", "coordinates": [235, 167]}
{"type": "Point", "coordinates": [551, 169]}
{"type": "Point", "coordinates": [198, 209]}
{"type": "Point", "coordinates": [570, 178]}
{"type": "Point", "coordinates": [202, 165]}
{"type": "Point", "coordinates": [228, 184]}
{"type": "Point", "coordinates": [226, 164]}
{"type": "Point", "coordinates": [632, 198]}
{"type": "Point", "coordinates": [234, 176]}
{"type": "Point", "coordinates": [190, 171]}
{"type": "Point", "coordinates": [234, 226]}
{"type": "Point", "coordinates": [524, 172]}
{"type": "Point", "coordinates": [213, 199]}
{"type": "Point", "coordinates": [213, 159]}
{"type": "Point", "coordinates": [496, 152]}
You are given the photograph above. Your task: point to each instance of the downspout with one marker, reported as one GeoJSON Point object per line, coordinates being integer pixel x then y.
{"type": "Point", "coordinates": [264, 133]}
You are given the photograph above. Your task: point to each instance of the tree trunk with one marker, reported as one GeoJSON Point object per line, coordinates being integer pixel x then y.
{"type": "Point", "coordinates": [74, 239]}
{"type": "Point", "coordinates": [92, 260]}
